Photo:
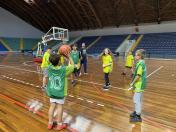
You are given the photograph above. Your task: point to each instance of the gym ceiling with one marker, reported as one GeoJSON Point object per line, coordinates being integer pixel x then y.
{"type": "Point", "coordinates": [90, 14]}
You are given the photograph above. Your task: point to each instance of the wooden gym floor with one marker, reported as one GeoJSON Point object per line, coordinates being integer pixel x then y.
{"type": "Point", "coordinates": [87, 107]}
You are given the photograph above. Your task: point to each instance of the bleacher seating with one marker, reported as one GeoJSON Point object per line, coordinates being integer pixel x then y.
{"type": "Point", "coordinates": [134, 37]}
{"type": "Point", "coordinates": [13, 43]}
{"type": "Point", "coordinates": [86, 40]}
{"type": "Point", "coordinates": [29, 43]}
{"type": "Point", "coordinates": [71, 39]}
{"type": "Point", "coordinates": [2, 48]}
{"type": "Point", "coordinates": [159, 44]}
{"type": "Point", "coordinates": [112, 42]}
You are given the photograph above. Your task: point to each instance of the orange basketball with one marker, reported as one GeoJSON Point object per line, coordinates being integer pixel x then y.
{"type": "Point", "coordinates": [64, 50]}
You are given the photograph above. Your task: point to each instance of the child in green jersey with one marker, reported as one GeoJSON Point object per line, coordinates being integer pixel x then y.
{"type": "Point", "coordinates": [76, 59]}
{"type": "Point", "coordinates": [138, 85]}
{"type": "Point", "coordinates": [57, 88]}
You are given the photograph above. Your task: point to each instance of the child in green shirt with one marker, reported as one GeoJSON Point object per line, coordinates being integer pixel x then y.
{"type": "Point", "coordinates": [138, 85]}
{"type": "Point", "coordinates": [57, 88]}
{"type": "Point", "coordinates": [75, 55]}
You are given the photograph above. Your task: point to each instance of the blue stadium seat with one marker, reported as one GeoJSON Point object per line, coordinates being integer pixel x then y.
{"type": "Point", "coordinates": [86, 40]}
{"type": "Point", "coordinates": [159, 44]}
{"type": "Point", "coordinates": [111, 42]}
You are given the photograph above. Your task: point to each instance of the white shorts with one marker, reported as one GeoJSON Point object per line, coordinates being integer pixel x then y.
{"type": "Point", "coordinates": [58, 101]}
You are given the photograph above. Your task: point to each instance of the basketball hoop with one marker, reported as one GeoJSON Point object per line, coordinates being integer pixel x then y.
{"type": "Point", "coordinates": [54, 34]}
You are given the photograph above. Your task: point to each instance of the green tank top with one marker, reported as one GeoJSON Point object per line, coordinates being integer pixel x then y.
{"type": "Point", "coordinates": [75, 56]}
{"type": "Point", "coordinates": [56, 82]}
{"type": "Point", "coordinates": [141, 84]}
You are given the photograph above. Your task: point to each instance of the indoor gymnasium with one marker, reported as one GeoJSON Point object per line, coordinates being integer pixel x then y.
{"type": "Point", "coordinates": [88, 65]}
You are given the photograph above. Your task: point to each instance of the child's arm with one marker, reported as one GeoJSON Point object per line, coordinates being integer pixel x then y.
{"type": "Point", "coordinates": [139, 74]}
{"type": "Point", "coordinates": [107, 64]}
{"type": "Point", "coordinates": [135, 80]}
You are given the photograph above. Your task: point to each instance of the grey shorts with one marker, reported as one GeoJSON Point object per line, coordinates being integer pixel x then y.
{"type": "Point", "coordinates": [45, 72]}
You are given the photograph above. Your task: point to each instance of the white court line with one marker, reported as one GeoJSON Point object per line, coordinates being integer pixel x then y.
{"type": "Point", "coordinates": [80, 98]}
{"type": "Point", "coordinates": [155, 71]}
{"type": "Point", "coordinates": [21, 69]}
{"type": "Point", "coordinates": [75, 79]}
{"type": "Point", "coordinates": [89, 101]}
{"type": "Point", "coordinates": [90, 82]}
{"type": "Point", "coordinates": [70, 95]}
{"type": "Point", "coordinates": [98, 84]}
{"type": "Point", "coordinates": [100, 105]}
{"type": "Point", "coordinates": [25, 63]}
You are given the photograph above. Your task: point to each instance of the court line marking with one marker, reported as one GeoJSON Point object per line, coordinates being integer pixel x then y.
{"type": "Point", "coordinates": [92, 102]}
{"type": "Point", "coordinates": [21, 69]}
{"type": "Point", "coordinates": [79, 98]}
{"type": "Point", "coordinates": [101, 105]}
{"type": "Point", "coordinates": [147, 76]}
{"type": "Point", "coordinates": [89, 101]}
{"type": "Point", "coordinates": [75, 79]}
{"type": "Point", "coordinates": [119, 87]}
{"type": "Point", "coordinates": [90, 82]}
{"type": "Point", "coordinates": [98, 84]}
{"type": "Point", "coordinates": [155, 71]}
{"type": "Point", "coordinates": [71, 96]}
{"type": "Point", "coordinates": [43, 115]}
{"type": "Point", "coordinates": [25, 63]}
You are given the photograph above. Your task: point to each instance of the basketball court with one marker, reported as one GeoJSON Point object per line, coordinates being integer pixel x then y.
{"type": "Point", "coordinates": [87, 107]}
{"type": "Point", "coordinates": [30, 29]}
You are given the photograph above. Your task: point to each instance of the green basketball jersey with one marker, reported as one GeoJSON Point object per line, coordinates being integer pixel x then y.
{"type": "Point", "coordinates": [140, 69]}
{"type": "Point", "coordinates": [56, 81]}
{"type": "Point", "coordinates": [75, 56]}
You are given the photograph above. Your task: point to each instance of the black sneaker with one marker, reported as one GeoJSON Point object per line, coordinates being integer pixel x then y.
{"type": "Point", "coordinates": [105, 87]}
{"type": "Point", "coordinates": [135, 119]}
{"type": "Point", "coordinates": [133, 114]}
